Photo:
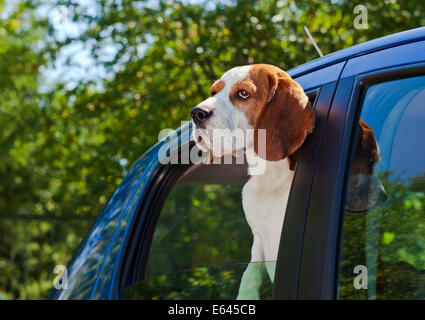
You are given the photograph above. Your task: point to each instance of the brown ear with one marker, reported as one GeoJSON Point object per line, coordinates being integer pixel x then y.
{"type": "Point", "coordinates": [287, 118]}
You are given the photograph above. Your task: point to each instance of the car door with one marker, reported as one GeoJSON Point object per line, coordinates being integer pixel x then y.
{"type": "Point", "coordinates": [377, 253]}
{"type": "Point", "coordinates": [191, 240]}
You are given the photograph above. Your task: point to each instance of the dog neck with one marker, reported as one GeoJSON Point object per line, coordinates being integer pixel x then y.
{"type": "Point", "coordinates": [273, 176]}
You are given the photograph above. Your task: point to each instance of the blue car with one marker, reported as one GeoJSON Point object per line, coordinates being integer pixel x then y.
{"type": "Point", "coordinates": [177, 231]}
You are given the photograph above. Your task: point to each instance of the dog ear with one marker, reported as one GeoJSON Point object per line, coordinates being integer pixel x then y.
{"type": "Point", "coordinates": [287, 117]}
{"type": "Point", "coordinates": [210, 157]}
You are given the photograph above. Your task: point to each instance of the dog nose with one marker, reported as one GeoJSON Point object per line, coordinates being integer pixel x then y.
{"type": "Point", "coordinates": [199, 115]}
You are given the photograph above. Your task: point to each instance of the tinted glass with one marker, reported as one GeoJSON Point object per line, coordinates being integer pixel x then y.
{"type": "Point", "coordinates": [201, 247]}
{"type": "Point", "coordinates": [383, 244]}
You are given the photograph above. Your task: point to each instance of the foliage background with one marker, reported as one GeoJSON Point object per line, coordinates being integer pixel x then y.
{"type": "Point", "coordinates": [82, 95]}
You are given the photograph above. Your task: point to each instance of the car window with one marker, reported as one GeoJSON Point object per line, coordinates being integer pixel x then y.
{"type": "Point", "coordinates": [201, 246]}
{"type": "Point", "coordinates": [382, 254]}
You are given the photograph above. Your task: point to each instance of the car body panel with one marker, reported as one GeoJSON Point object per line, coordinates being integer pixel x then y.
{"type": "Point", "coordinates": [396, 56]}
{"type": "Point", "coordinates": [319, 77]}
{"type": "Point", "coordinates": [289, 255]}
{"type": "Point", "coordinates": [389, 41]}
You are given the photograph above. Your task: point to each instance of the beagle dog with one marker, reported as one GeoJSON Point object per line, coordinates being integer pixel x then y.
{"type": "Point", "coordinates": [259, 98]}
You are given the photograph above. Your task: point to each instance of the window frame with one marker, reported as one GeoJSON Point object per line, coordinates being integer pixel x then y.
{"type": "Point", "coordinates": [140, 237]}
{"type": "Point", "coordinates": [290, 252]}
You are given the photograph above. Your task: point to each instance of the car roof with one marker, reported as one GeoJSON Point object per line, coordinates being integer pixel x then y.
{"type": "Point", "coordinates": [392, 40]}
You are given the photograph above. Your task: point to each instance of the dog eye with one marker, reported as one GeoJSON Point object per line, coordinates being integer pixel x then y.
{"type": "Point", "coordinates": [243, 94]}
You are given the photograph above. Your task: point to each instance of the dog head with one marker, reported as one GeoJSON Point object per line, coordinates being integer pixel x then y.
{"type": "Point", "coordinates": [365, 190]}
{"type": "Point", "coordinates": [254, 97]}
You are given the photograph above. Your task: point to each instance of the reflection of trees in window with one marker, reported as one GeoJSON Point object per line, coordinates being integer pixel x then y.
{"type": "Point", "coordinates": [400, 248]}
{"type": "Point", "coordinates": [200, 225]}
{"type": "Point", "coordinates": [201, 246]}
{"type": "Point", "coordinates": [215, 282]}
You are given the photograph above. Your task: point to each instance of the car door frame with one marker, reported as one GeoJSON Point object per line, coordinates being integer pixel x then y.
{"type": "Point", "coordinates": [324, 81]}
{"type": "Point", "coordinates": [319, 262]}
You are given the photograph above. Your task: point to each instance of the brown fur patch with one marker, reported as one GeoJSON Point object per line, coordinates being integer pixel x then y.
{"type": "Point", "coordinates": [366, 153]}
{"type": "Point", "coordinates": [216, 87]}
{"type": "Point", "coordinates": [293, 158]}
{"type": "Point", "coordinates": [265, 78]}
{"type": "Point", "coordinates": [241, 104]}
{"type": "Point", "coordinates": [282, 109]}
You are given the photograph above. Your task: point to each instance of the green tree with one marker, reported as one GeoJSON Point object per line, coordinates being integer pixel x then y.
{"type": "Point", "coordinates": [65, 148]}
